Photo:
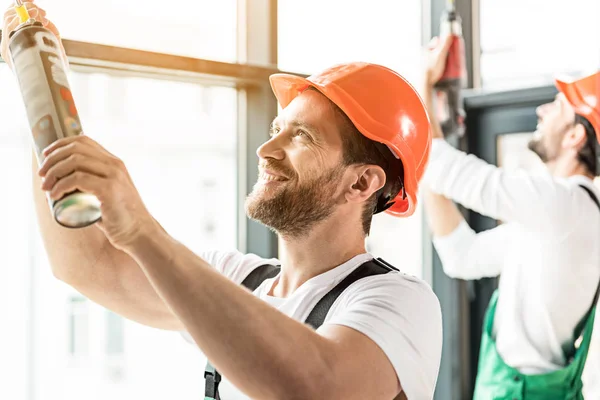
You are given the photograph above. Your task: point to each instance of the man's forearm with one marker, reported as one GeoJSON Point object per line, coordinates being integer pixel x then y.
{"type": "Point", "coordinates": [70, 251]}
{"type": "Point", "coordinates": [229, 324]}
{"type": "Point", "coordinates": [427, 95]}
{"type": "Point", "coordinates": [443, 215]}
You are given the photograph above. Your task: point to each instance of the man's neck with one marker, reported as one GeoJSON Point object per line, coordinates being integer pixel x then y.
{"type": "Point", "coordinates": [328, 245]}
{"type": "Point", "coordinates": [566, 168]}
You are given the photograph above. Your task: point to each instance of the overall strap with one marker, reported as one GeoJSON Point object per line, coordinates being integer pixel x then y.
{"type": "Point", "coordinates": [581, 325]}
{"type": "Point", "coordinates": [259, 275]}
{"type": "Point", "coordinates": [370, 268]}
{"type": "Point", "coordinates": [595, 200]}
{"type": "Point", "coordinates": [212, 378]}
{"type": "Point", "coordinates": [591, 194]}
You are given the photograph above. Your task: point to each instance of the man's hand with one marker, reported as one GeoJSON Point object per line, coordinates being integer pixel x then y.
{"type": "Point", "coordinates": [11, 21]}
{"type": "Point", "coordinates": [435, 62]}
{"type": "Point", "coordinates": [435, 59]}
{"type": "Point", "coordinates": [81, 163]}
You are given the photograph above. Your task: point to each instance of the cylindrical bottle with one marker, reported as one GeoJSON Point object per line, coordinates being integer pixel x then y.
{"type": "Point", "coordinates": [448, 89]}
{"type": "Point", "coordinates": [40, 70]}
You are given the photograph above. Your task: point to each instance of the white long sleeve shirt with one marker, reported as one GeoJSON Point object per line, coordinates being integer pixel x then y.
{"type": "Point", "coordinates": [547, 251]}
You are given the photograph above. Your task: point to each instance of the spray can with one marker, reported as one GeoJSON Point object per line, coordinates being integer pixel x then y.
{"type": "Point", "coordinates": [39, 66]}
{"type": "Point", "coordinates": [448, 89]}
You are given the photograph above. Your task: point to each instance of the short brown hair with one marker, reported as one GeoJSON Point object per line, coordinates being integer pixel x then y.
{"type": "Point", "coordinates": [589, 155]}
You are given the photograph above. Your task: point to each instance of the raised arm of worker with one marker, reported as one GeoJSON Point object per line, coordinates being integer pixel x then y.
{"type": "Point", "coordinates": [539, 202]}
{"type": "Point", "coordinates": [250, 342]}
{"type": "Point", "coordinates": [84, 258]}
{"type": "Point", "coordinates": [464, 254]}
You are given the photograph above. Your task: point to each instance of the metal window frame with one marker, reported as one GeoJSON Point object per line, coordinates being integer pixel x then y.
{"type": "Point", "coordinates": [93, 57]}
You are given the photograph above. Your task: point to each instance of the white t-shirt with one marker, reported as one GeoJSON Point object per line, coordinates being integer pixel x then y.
{"type": "Point", "coordinates": [400, 313]}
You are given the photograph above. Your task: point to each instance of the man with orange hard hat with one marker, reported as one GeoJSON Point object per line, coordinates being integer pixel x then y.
{"type": "Point", "coordinates": [539, 323]}
{"type": "Point", "coordinates": [328, 320]}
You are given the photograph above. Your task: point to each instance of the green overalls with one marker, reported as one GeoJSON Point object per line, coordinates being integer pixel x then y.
{"type": "Point", "coordinates": [498, 381]}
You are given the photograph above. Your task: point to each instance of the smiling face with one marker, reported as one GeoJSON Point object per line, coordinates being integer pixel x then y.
{"type": "Point", "coordinates": [301, 168]}
{"type": "Point", "coordinates": [554, 120]}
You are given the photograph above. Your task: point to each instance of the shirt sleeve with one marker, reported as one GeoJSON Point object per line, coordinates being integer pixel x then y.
{"type": "Point", "coordinates": [537, 201]}
{"type": "Point", "coordinates": [402, 316]}
{"type": "Point", "coordinates": [465, 254]}
{"type": "Point", "coordinates": [234, 264]}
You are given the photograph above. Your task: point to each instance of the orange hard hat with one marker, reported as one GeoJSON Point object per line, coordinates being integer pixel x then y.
{"type": "Point", "coordinates": [383, 106]}
{"type": "Point", "coordinates": [584, 95]}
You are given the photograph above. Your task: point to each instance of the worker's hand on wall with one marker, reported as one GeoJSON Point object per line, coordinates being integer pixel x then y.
{"type": "Point", "coordinates": [11, 21]}
{"type": "Point", "coordinates": [435, 59]}
{"type": "Point", "coordinates": [81, 163]}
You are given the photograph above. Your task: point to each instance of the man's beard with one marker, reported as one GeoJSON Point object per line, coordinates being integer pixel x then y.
{"type": "Point", "coordinates": [293, 210]}
{"type": "Point", "coordinates": [547, 145]}
{"type": "Point", "coordinates": [537, 146]}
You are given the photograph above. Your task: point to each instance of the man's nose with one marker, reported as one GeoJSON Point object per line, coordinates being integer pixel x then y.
{"type": "Point", "coordinates": [272, 148]}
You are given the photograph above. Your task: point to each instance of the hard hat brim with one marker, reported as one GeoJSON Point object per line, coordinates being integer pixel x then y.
{"type": "Point", "coordinates": [581, 104]}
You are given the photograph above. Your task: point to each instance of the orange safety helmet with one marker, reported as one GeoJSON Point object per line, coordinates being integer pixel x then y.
{"type": "Point", "coordinates": [383, 106]}
{"type": "Point", "coordinates": [584, 95]}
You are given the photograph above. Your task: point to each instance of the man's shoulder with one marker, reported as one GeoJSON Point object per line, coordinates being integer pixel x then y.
{"type": "Point", "coordinates": [234, 264]}
{"type": "Point", "coordinates": [399, 288]}
{"type": "Point", "coordinates": [402, 315]}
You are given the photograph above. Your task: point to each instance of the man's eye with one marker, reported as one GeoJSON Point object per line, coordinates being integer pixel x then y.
{"type": "Point", "coordinates": [302, 133]}
{"type": "Point", "coordinates": [274, 131]}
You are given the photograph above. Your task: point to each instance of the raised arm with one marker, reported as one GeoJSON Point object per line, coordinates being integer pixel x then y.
{"type": "Point", "coordinates": [84, 258]}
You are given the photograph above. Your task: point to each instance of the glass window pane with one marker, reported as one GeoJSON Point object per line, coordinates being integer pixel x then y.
{"type": "Point", "coordinates": [179, 142]}
{"type": "Point", "coordinates": [314, 34]}
{"type": "Point", "coordinates": [195, 28]}
{"type": "Point", "coordinates": [115, 334]}
{"type": "Point", "coordinates": [16, 292]}
{"type": "Point", "coordinates": [399, 241]}
{"type": "Point", "coordinates": [528, 42]}
{"type": "Point", "coordinates": [78, 326]}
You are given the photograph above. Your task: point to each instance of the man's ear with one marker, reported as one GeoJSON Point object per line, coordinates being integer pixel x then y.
{"type": "Point", "coordinates": [575, 138]}
{"type": "Point", "coordinates": [367, 179]}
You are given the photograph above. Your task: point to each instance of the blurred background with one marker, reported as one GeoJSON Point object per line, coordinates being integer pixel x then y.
{"type": "Point", "coordinates": [180, 92]}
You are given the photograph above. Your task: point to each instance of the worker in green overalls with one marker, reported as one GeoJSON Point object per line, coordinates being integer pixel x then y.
{"type": "Point", "coordinates": [539, 323]}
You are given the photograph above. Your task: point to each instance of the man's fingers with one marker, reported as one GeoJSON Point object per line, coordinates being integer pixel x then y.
{"type": "Point", "coordinates": [63, 148]}
{"type": "Point", "coordinates": [8, 17]}
{"type": "Point", "coordinates": [33, 10]}
{"type": "Point", "coordinates": [10, 24]}
{"type": "Point", "coordinates": [79, 180]}
{"type": "Point", "coordinates": [10, 12]}
{"type": "Point", "coordinates": [73, 163]}
{"type": "Point", "coordinates": [85, 140]}
{"type": "Point", "coordinates": [446, 43]}
{"type": "Point", "coordinates": [433, 43]}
